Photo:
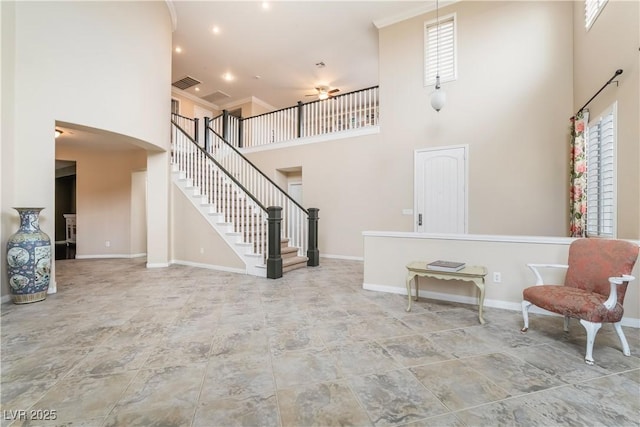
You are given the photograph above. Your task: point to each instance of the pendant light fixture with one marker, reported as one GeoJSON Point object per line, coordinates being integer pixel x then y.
{"type": "Point", "coordinates": [438, 97]}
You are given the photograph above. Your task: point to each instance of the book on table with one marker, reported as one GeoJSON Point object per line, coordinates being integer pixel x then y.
{"type": "Point", "coordinates": [442, 265]}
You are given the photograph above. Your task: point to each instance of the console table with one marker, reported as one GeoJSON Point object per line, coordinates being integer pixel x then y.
{"type": "Point", "coordinates": [473, 274]}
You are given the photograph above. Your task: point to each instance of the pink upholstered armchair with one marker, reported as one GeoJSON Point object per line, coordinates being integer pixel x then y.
{"type": "Point", "coordinates": [598, 273]}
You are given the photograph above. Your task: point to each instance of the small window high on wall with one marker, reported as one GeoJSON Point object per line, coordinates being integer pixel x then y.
{"type": "Point", "coordinates": [440, 50]}
{"type": "Point", "coordinates": [601, 175]}
{"type": "Point", "coordinates": [592, 9]}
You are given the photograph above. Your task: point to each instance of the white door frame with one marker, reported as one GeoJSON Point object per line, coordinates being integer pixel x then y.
{"type": "Point", "coordinates": [416, 185]}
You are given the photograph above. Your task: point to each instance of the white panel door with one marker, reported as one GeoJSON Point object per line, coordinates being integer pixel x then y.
{"type": "Point", "coordinates": [440, 190]}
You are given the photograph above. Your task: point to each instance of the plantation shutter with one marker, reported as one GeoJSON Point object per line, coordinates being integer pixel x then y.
{"type": "Point", "coordinates": [592, 9]}
{"type": "Point", "coordinates": [601, 177]}
{"type": "Point", "coordinates": [445, 50]}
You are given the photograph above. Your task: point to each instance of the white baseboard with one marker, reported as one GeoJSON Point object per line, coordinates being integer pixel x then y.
{"type": "Point", "coordinates": [505, 305]}
{"type": "Point", "coordinates": [157, 264]}
{"type": "Point", "coordinates": [210, 266]}
{"type": "Point", "coordinates": [106, 256]}
{"type": "Point", "coordinates": [345, 257]}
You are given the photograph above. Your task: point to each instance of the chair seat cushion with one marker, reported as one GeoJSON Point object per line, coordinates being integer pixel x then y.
{"type": "Point", "coordinates": [573, 302]}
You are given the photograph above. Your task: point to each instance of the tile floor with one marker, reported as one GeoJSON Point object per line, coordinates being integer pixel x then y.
{"type": "Point", "coordinates": [122, 345]}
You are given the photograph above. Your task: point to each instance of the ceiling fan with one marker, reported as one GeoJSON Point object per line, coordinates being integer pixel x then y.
{"type": "Point", "coordinates": [323, 92]}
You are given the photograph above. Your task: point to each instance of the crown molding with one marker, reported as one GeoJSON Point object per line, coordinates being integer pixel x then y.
{"type": "Point", "coordinates": [412, 13]}
{"type": "Point", "coordinates": [172, 14]}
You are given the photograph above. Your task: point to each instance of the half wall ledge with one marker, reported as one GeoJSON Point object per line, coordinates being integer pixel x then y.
{"type": "Point", "coordinates": [387, 253]}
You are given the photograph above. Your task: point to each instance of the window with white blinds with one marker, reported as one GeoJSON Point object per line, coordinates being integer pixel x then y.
{"type": "Point", "coordinates": [592, 9]}
{"type": "Point", "coordinates": [601, 175]}
{"type": "Point", "coordinates": [440, 46]}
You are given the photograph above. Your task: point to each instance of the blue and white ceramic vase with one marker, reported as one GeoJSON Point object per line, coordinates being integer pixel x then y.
{"type": "Point", "coordinates": [28, 259]}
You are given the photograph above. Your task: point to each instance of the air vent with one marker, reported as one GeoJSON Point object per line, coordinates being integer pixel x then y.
{"type": "Point", "coordinates": [216, 96]}
{"type": "Point", "coordinates": [185, 83]}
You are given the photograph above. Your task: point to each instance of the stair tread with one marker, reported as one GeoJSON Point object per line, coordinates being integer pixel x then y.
{"type": "Point", "coordinates": [294, 260]}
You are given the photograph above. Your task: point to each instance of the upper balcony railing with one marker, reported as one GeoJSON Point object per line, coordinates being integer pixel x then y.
{"type": "Point", "coordinates": [350, 111]}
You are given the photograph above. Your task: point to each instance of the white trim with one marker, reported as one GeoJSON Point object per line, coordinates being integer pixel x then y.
{"type": "Point", "coordinates": [505, 305]}
{"type": "Point", "coordinates": [403, 16]}
{"type": "Point", "coordinates": [157, 264]}
{"type": "Point", "coordinates": [106, 256]}
{"type": "Point", "coordinates": [210, 266]}
{"type": "Point", "coordinates": [474, 237]}
{"type": "Point", "coordinates": [369, 130]}
{"type": "Point", "coordinates": [345, 257]}
{"type": "Point", "coordinates": [172, 15]}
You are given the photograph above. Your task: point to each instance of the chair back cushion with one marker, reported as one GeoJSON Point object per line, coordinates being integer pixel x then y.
{"type": "Point", "coordinates": [593, 260]}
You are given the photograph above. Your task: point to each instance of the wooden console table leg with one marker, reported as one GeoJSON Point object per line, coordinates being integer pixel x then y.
{"type": "Point", "coordinates": [411, 276]}
{"type": "Point", "coordinates": [480, 286]}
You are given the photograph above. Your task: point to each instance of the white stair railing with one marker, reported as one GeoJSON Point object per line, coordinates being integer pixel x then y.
{"type": "Point", "coordinates": [223, 192]}
{"type": "Point", "coordinates": [294, 217]}
{"type": "Point", "coordinates": [351, 111]}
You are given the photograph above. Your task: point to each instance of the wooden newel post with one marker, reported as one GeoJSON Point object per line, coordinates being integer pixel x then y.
{"type": "Point", "coordinates": [207, 137]}
{"type": "Point", "coordinates": [274, 260]}
{"type": "Point", "coordinates": [313, 254]}
{"type": "Point", "coordinates": [225, 125]}
{"type": "Point", "coordinates": [300, 118]}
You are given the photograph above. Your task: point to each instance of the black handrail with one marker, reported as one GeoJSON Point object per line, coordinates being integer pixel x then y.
{"type": "Point", "coordinates": [221, 167]}
{"type": "Point", "coordinates": [182, 117]}
{"type": "Point", "coordinates": [269, 112]}
{"type": "Point", "coordinates": [257, 169]}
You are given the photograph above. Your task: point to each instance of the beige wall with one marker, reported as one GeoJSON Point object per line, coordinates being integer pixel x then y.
{"type": "Point", "coordinates": [387, 255]}
{"type": "Point", "coordinates": [104, 65]}
{"type": "Point", "coordinates": [612, 43]}
{"type": "Point", "coordinates": [510, 104]}
{"type": "Point", "coordinates": [194, 241]}
{"type": "Point", "coordinates": [108, 199]}
{"type": "Point", "coordinates": [187, 104]}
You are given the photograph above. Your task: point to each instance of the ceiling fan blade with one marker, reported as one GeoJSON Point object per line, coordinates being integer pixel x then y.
{"type": "Point", "coordinates": [333, 91]}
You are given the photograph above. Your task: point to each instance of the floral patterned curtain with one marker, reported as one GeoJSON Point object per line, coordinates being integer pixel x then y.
{"type": "Point", "coordinates": [578, 170]}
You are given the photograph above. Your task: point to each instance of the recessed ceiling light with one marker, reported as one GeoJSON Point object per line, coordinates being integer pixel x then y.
{"type": "Point", "coordinates": [265, 5]}
{"type": "Point", "coordinates": [228, 76]}
{"type": "Point", "coordinates": [178, 49]}
{"type": "Point", "coordinates": [58, 132]}
{"type": "Point", "coordinates": [197, 89]}
{"type": "Point", "coordinates": [216, 29]}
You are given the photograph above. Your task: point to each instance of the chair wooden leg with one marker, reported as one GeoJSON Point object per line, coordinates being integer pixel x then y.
{"type": "Point", "coordinates": [525, 315]}
{"type": "Point", "coordinates": [592, 330]}
{"type": "Point", "coordinates": [623, 340]}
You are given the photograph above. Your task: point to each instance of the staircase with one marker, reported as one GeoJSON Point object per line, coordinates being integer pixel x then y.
{"type": "Point", "coordinates": [216, 181]}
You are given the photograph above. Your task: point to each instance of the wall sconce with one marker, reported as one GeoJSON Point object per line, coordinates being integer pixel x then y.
{"type": "Point", "coordinates": [58, 133]}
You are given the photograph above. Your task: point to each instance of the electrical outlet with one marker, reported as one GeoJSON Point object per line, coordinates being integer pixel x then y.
{"type": "Point", "coordinates": [497, 277]}
{"type": "Point", "coordinates": [107, 243]}
{"type": "Point", "coordinates": [201, 250]}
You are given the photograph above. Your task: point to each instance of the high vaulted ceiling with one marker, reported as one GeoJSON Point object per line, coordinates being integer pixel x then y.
{"type": "Point", "coordinates": [275, 52]}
